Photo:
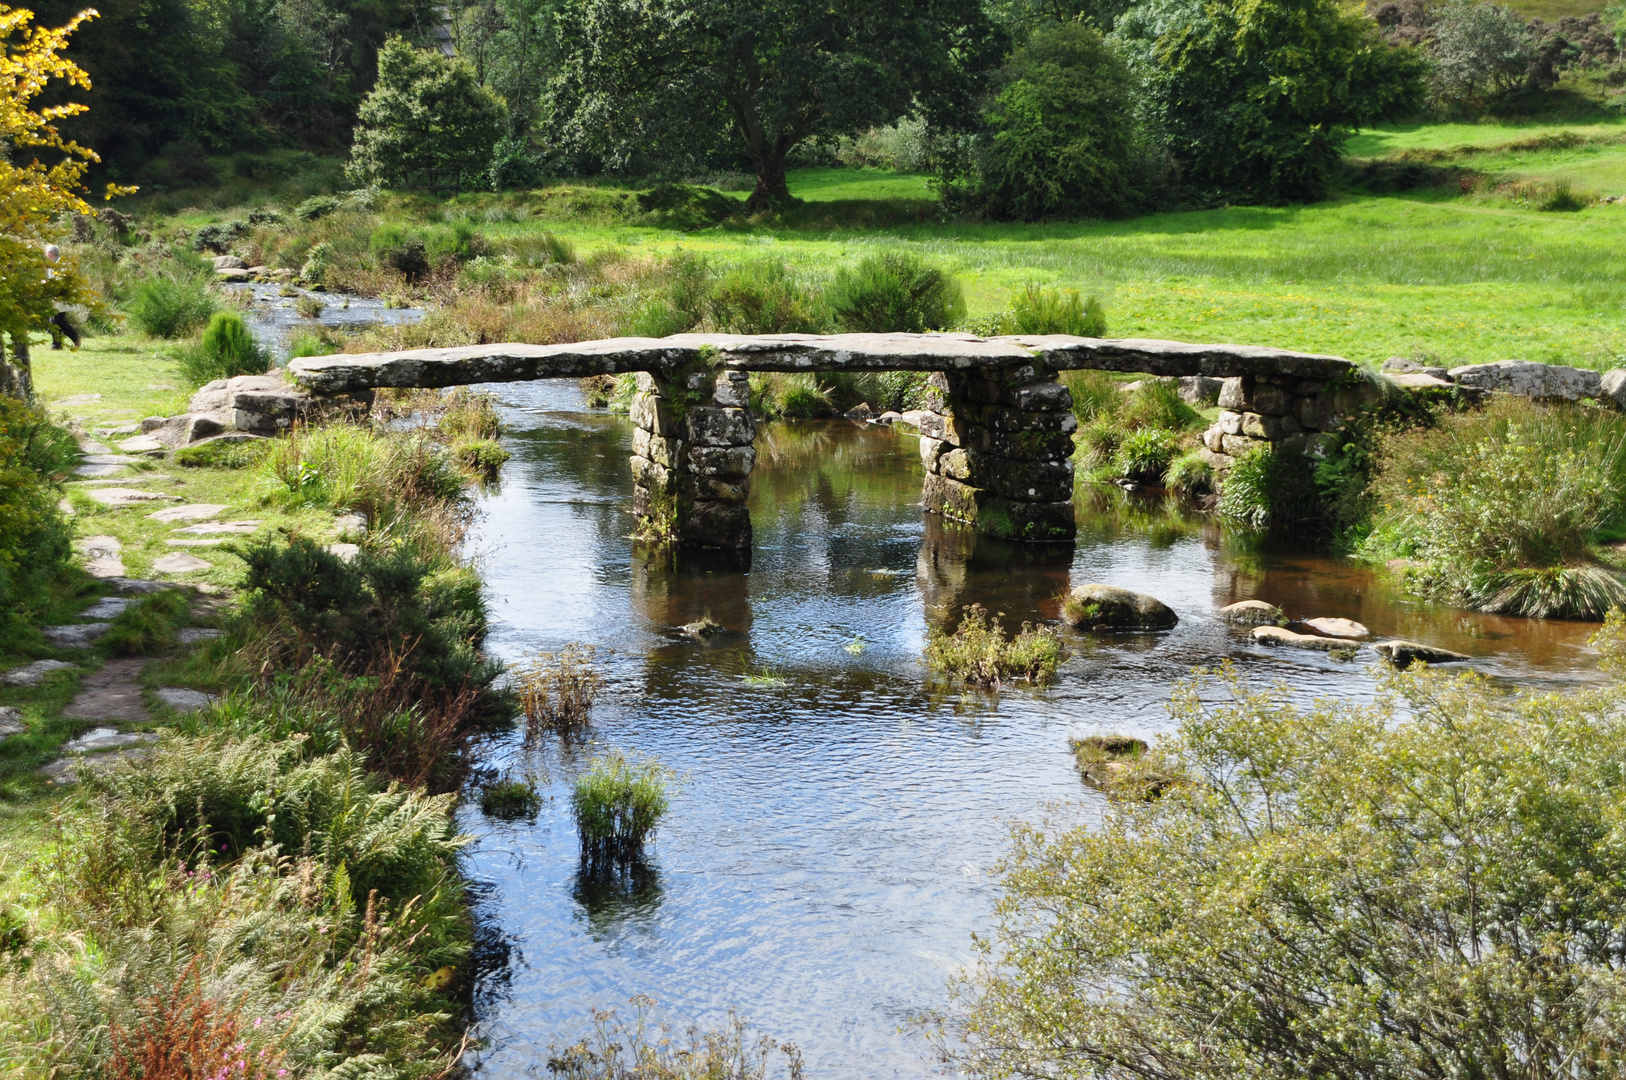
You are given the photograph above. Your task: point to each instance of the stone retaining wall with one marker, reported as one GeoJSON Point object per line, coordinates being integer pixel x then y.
{"type": "Point", "coordinates": [692, 458]}
{"type": "Point", "coordinates": [997, 446]}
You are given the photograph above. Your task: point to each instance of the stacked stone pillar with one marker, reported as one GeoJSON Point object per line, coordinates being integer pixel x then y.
{"type": "Point", "coordinates": [1280, 411]}
{"type": "Point", "coordinates": [997, 445]}
{"type": "Point", "coordinates": [692, 458]}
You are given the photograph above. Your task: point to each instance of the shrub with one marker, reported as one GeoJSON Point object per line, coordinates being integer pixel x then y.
{"type": "Point", "coordinates": [895, 292]}
{"type": "Point", "coordinates": [482, 457]}
{"type": "Point", "coordinates": [979, 653]}
{"type": "Point", "coordinates": [172, 303]}
{"type": "Point", "coordinates": [148, 627]}
{"type": "Point", "coordinates": [399, 248]}
{"type": "Point", "coordinates": [618, 804]}
{"type": "Point", "coordinates": [226, 349]}
{"type": "Point", "coordinates": [1038, 310]}
{"type": "Point", "coordinates": [1271, 489]}
{"type": "Point", "coordinates": [1504, 507]}
{"type": "Point", "coordinates": [310, 307]}
{"type": "Point", "coordinates": [306, 343]}
{"type": "Point", "coordinates": [1060, 138]}
{"type": "Point", "coordinates": [556, 690]}
{"type": "Point", "coordinates": [1563, 198]}
{"type": "Point", "coordinates": [1145, 454]}
{"type": "Point", "coordinates": [1478, 47]}
{"type": "Point", "coordinates": [762, 297]}
{"type": "Point", "coordinates": [219, 237]}
{"type": "Point", "coordinates": [35, 455]}
{"type": "Point", "coordinates": [1419, 884]}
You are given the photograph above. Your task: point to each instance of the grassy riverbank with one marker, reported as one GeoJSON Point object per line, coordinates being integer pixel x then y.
{"type": "Point", "coordinates": [290, 846]}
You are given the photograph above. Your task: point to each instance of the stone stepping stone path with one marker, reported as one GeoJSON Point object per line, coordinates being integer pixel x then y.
{"type": "Point", "coordinates": [124, 496]}
{"type": "Point", "coordinates": [11, 721]}
{"type": "Point", "coordinates": [183, 700]}
{"type": "Point", "coordinates": [98, 747]}
{"type": "Point", "coordinates": [140, 478]}
{"type": "Point", "coordinates": [102, 556]}
{"type": "Point", "coordinates": [91, 446]}
{"type": "Point", "coordinates": [194, 512]}
{"type": "Point", "coordinates": [194, 634]}
{"type": "Point", "coordinates": [33, 674]}
{"type": "Point", "coordinates": [235, 527]}
{"type": "Point", "coordinates": [112, 693]}
{"type": "Point", "coordinates": [1339, 628]}
{"type": "Point", "coordinates": [198, 542]}
{"type": "Point", "coordinates": [103, 464]}
{"type": "Point", "coordinates": [143, 444]}
{"type": "Point", "coordinates": [117, 429]}
{"type": "Point", "coordinates": [81, 636]}
{"type": "Point", "coordinates": [108, 607]}
{"type": "Point", "coordinates": [179, 563]}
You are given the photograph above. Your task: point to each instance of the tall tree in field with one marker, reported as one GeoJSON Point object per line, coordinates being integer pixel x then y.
{"type": "Point", "coordinates": [676, 79]}
{"type": "Point", "coordinates": [34, 192]}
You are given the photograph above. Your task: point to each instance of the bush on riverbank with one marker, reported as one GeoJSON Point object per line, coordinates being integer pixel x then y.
{"type": "Point", "coordinates": [225, 350]}
{"type": "Point", "coordinates": [1420, 885]}
{"type": "Point", "coordinates": [1506, 509]}
{"type": "Point", "coordinates": [979, 653]}
{"type": "Point", "coordinates": [238, 900]}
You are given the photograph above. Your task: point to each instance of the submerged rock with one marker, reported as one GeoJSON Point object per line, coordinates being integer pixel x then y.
{"type": "Point", "coordinates": [1251, 613]}
{"type": "Point", "coordinates": [1402, 654]}
{"type": "Point", "coordinates": [1090, 607]}
{"type": "Point", "coordinates": [1275, 635]}
{"type": "Point", "coordinates": [1339, 628]}
{"type": "Point", "coordinates": [1111, 764]}
{"type": "Point", "coordinates": [702, 628]}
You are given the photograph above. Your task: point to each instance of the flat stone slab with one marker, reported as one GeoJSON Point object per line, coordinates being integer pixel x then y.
{"type": "Point", "coordinates": [124, 496]}
{"type": "Point", "coordinates": [798, 352]}
{"type": "Point", "coordinates": [179, 563]}
{"type": "Point", "coordinates": [234, 527]}
{"type": "Point", "coordinates": [99, 739]}
{"type": "Point", "coordinates": [1275, 635]}
{"type": "Point", "coordinates": [112, 693]}
{"type": "Point", "coordinates": [1421, 380]}
{"type": "Point", "coordinates": [100, 465]}
{"type": "Point", "coordinates": [117, 429]}
{"type": "Point", "coordinates": [66, 770]}
{"type": "Point", "coordinates": [191, 635]}
{"type": "Point", "coordinates": [82, 636]}
{"type": "Point", "coordinates": [142, 444]}
{"type": "Point", "coordinates": [194, 512]}
{"type": "Point", "coordinates": [345, 552]}
{"type": "Point", "coordinates": [198, 541]}
{"type": "Point", "coordinates": [11, 721]}
{"type": "Point", "coordinates": [108, 607]}
{"type": "Point", "coordinates": [102, 556]}
{"type": "Point", "coordinates": [1251, 613]}
{"type": "Point", "coordinates": [33, 674]}
{"type": "Point", "coordinates": [1339, 628]}
{"type": "Point", "coordinates": [1526, 378]}
{"type": "Point", "coordinates": [1402, 653]}
{"type": "Point", "coordinates": [91, 446]}
{"type": "Point", "coordinates": [142, 586]}
{"type": "Point", "coordinates": [183, 700]}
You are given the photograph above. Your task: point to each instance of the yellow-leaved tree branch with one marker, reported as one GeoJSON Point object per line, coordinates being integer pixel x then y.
{"type": "Point", "coordinates": [37, 196]}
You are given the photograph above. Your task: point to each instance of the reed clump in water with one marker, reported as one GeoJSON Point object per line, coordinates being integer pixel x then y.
{"type": "Point", "coordinates": [618, 803]}
{"type": "Point", "coordinates": [619, 1050]}
{"type": "Point", "coordinates": [979, 652]}
{"type": "Point", "coordinates": [556, 690]}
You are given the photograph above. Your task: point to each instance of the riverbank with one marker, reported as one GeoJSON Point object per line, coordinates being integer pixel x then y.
{"type": "Point", "coordinates": [299, 683]}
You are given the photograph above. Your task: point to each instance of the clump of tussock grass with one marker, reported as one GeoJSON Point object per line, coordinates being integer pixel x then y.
{"type": "Point", "coordinates": [148, 627]}
{"type": "Point", "coordinates": [556, 690]}
{"type": "Point", "coordinates": [980, 653]}
{"type": "Point", "coordinates": [1136, 435]}
{"type": "Point", "coordinates": [226, 349]}
{"type": "Point", "coordinates": [618, 804]}
{"type": "Point", "coordinates": [510, 798]}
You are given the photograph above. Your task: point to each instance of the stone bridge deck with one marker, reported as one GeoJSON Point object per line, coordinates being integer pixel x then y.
{"type": "Point", "coordinates": [996, 439]}
{"type": "Point", "coordinates": [800, 352]}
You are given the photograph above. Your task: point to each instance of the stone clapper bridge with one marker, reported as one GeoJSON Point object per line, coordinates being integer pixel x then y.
{"type": "Point", "coordinates": [996, 439]}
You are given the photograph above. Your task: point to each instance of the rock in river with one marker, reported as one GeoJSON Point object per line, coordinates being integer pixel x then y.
{"type": "Point", "coordinates": [1402, 653]}
{"type": "Point", "coordinates": [1342, 628]}
{"type": "Point", "coordinates": [1275, 635]}
{"type": "Point", "coordinates": [1251, 613]}
{"type": "Point", "coordinates": [1090, 607]}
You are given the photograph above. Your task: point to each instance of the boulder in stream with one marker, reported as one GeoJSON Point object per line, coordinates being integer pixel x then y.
{"type": "Point", "coordinates": [1402, 654]}
{"type": "Point", "coordinates": [1251, 613]}
{"type": "Point", "coordinates": [1339, 628]}
{"type": "Point", "coordinates": [1107, 607]}
{"type": "Point", "coordinates": [1275, 635]}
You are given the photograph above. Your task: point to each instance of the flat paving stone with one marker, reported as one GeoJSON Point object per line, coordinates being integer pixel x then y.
{"type": "Point", "coordinates": [81, 636]}
{"type": "Point", "coordinates": [77, 399]}
{"type": "Point", "coordinates": [198, 541]}
{"type": "Point", "coordinates": [11, 721]}
{"type": "Point", "coordinates": [33, 674]}
{"type": "Point", "coordinates": [142, 586]}
{"type": "Point", "coordinates": [112, 693]}
{"type": "Point", "coordinates": [1338, 628]}
{"type": "Point", "coordinates": [108, 607]}
{"type": "Point", "coordinates": [195, 512]}
{"type": "Point", "coordinates": [183, 700]}
{"type": "Point", "coordinates": [345, 552]}
{"type": "Point", "coordinates": [91, 446]}
{"type": "Point", "coordinates": [234, 527]}
{"type": "Point", "coordinates": [119, 429]}
{"type": "Point", "coordinates": [124, 496]}
{"type": "Point", "coordinates": [66, 770]}
{"type": "Point", "coordinates": [194, 634]}
{"type": "Point", "coordinates": [102, 556]}
{"type": "Point", "coordinates": [138, 478]}
{"type": "Point", "coordinates": [98, 469]}
{"type": "Point", "coordinates": [143, 444]}
{"type": "Point", "coordinates": [179, 563]}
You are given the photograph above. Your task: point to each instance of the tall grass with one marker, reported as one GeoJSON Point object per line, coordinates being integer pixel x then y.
{"type": "Point", "coordinates": [390, 477]}
{"type": "Point", "coordinates": [556, 690]}
{"type": "Point", "coordinates": [1506, 508]}
{"type": "Point", "coordinates": [172, 303]}
{"type": "Point", "coordinates": [226, 349]}
{"type": "Point", "coordinates": [618, 804]}
{"type": "Point", "coordinates": [979, 652]}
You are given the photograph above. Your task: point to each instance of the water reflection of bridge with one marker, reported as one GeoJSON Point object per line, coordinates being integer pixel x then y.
{"type": "Point", "coordinates": [996, 440]}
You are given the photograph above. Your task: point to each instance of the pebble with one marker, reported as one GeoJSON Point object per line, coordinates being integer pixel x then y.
{"type": "Point", "coordinates": [33, 674]}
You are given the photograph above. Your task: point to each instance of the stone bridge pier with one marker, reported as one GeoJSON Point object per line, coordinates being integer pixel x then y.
{"type": "Point", "coordinates": [692, 458]}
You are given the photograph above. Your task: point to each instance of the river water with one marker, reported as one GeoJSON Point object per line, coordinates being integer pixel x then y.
{"type": "Point", "coordinates": [833, 846]}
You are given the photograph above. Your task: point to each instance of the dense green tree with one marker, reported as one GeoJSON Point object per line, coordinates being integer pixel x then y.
{"type": "Point", "coordinates": [663, 80]}
{"type": "Point", "coordinates": [1059, 137]}
{"type": "Point", "coordinates": [427, 121]}
{"type": "Point", "coordinates": [1252, 99]}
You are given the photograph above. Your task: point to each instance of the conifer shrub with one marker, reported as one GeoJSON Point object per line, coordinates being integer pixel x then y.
{"type": "Point", "coordinates": [226, 349]}
{"type": "Point", "coordinates": [1040, 310]}
{"type": "Point", "coordinates": [895, 292]}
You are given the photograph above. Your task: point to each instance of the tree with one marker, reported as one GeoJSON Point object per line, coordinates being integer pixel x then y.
{"type": "Point", "coordinates": [33, 193]}
{"type": "Point", "coordinates": [1252, 99]}
{"type": "Point", "coordinates": [1480, 46]}
{"type": "Point", "coordinates": [678, 80]}
{"type": "Point", "coordinates": [1420, 888]}
{"type": "Point", "coordinates": [1060, 133]}
{"type": "Point", "coordinates": [427, 121]}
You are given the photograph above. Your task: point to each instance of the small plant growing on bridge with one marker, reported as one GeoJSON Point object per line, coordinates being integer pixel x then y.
{"type": "Point", "coordinates": [556, 690]}
{"type": "Point", "coordinates": [979, 652]}
{"type": "Point", "coordinates": [618, 803]}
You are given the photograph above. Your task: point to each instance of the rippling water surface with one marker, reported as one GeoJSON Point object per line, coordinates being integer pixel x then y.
{"type": "Point", "coordinates": [832, 848]}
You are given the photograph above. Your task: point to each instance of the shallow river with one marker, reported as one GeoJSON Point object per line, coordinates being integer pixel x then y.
{"type": "Point", "coordinates": [833, 846]}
